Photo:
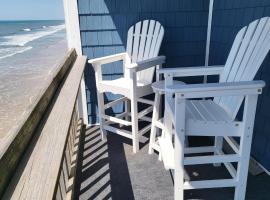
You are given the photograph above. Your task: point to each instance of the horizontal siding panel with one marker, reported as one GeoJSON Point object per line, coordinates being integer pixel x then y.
{"type": "Point", "coordinates": [104, 38]}
{"type": "Point", "coordinates": [98, 7]}
{"type": "Point", "coordinates": [83, 6]}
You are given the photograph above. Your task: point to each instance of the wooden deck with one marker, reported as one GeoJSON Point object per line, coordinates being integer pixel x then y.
{"type": "Point", "coordinates": [109, 170]}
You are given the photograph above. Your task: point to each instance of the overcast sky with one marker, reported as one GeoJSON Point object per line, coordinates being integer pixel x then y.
{"type": "Point", "coordinates": [31, 9]}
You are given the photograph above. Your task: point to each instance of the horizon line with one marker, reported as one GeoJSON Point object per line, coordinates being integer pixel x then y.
{"type": "Point", "coordinates": [31, 19]}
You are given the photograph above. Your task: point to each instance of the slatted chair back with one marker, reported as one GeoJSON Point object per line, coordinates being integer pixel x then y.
{"type": "Point", "coordinates": [143, 42]}
{"type": "Point", "coordinates": [249, 50]}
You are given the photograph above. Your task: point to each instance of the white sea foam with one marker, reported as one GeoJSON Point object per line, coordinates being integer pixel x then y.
{"type": "Point", "coordinates": [11, 51]}
{"type": "Point", "coordinates": [23, 39]}
{"type": "Point", "coordinates": [27, 29]}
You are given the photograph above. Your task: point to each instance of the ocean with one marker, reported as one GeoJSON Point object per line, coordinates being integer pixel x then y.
{"type": "Point", "coordinates": [29, 52]}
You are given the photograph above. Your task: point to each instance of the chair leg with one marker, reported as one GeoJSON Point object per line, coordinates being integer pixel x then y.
{"type": "Point", "coordinates": [167, 130]}
{"type": "Point", "coordinates": [134, 121]}
{"type": "Point", "coordinates": [179, 143]}
{"type": "Point", "coordinates": [155, 118]}
{"type": "Point", "coordinates": [218, 146]}
{"type": "Point", "coordinates": [242, 171]}
{"type": "Point", "coordinates": [245, 146]}
{"type": "Point", "coordinates": [127, 110]}
{"type": "Point", "coordinates": [101, 111]}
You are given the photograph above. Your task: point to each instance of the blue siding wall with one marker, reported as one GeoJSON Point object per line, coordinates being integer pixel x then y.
{"type": "Point", "coordinates": [104, 25]}
{"type": "Point", "coordinates": [228, 17]}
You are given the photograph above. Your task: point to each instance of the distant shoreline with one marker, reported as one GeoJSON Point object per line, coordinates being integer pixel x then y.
{"type": "Point", "coordinates": [30, 20]}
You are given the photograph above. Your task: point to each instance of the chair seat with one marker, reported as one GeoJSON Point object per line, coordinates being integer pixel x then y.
{"type": "Point", "coordinates": [122, 86]}
{"type": "Point", "coordinates": [206, 110]}
{"type": "Point", "coordinates": [206, 118]}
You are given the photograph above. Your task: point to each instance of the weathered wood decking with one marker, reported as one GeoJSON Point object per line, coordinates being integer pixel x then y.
{"type": "Point", "coordinates": [14, 144]}
{"type": "Point", "coordinates": [47, 168]}
{"type": "Point", "coordinates": [109, 170]}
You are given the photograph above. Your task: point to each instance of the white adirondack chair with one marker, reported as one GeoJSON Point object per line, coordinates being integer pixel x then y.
{"type": "Point", "coordinates": [216, 117]}
{"type": "Point", "coordinates": [143, 44]}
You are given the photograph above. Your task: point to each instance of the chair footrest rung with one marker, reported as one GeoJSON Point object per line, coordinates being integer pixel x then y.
{"type": "Point", "coordinates": [121, 132]}
{"type": "Point", "coordinates": [116, 120]}
{"type": "Point", "coordinates": [189, 185]}
{"type": "Point", "coordinates": [167, 152]}
{"type": "Point", "coordinates": [203, 149]}
{"type": "Point", "coordinates": [115, 102]}
{"type": "Point", "coordinates": [145, 129]}
{"type": "Point", "coordinates": [197, 160]}
{"type": "Point", "coordinates": [146, 101]}
{"type": "Point", "coordinates": [191, 150]}
{"type": "Point", "coordinates": [145, 112]}
{"type": "Point", "coordinates": [145, 118]}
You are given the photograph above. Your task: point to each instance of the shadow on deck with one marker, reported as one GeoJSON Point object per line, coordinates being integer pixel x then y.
{"type": "Point", "coordinates": [109, 170]}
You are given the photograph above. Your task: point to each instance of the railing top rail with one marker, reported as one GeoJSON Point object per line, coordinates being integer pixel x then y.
{"type": "Point", "coordinates": [46, 92]}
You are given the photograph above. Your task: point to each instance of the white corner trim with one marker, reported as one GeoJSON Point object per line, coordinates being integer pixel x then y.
{"type": "Point", "coordinates": [74, 41]}
{"type": "Point", "coordinates": [72, 25]}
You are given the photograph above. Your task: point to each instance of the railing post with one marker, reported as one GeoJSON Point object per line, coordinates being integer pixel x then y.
{"type": "Point", "coordinates": [82, 104]}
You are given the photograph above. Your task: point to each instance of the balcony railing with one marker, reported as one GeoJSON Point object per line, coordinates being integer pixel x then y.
{"type": "Point", "coordinates": [39, 161]}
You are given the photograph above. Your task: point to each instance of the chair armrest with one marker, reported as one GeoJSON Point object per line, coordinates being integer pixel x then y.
{"type": "Point", "coordinates": [192, 71]}
{"type": "Point", "coordinates": [107, 59]}
{"type": "Point", "coordinates": [217, 89]}
{"type": "Point", "coordinates": [145, 64]}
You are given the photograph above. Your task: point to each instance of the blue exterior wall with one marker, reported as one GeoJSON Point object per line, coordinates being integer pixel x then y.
{"type": "Point", "coordinates": [104, 25]}
{"type": "Point", "coordinates": [229, 17]}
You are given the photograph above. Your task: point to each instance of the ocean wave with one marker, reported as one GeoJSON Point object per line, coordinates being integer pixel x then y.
{"type": "Point", "coordinates": [11, 51]}
{"type": "Point", "coordinates": [23, 39]}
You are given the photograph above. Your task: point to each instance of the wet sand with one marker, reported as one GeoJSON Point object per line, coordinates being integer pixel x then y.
{"type": "Point", "coordinates": [20, 83]}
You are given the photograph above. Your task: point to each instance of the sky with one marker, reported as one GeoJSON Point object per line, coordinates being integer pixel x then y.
{"type": "Point", "coordinates": [31, 9]}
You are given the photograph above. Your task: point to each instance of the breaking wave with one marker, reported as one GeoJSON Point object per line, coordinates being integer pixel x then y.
{"type": "Point", "coordinates": [23, 39]}
{"type": "Point", "coordinates": [11, 51]}
{"type": "Point", "coordinates": [14, 44]}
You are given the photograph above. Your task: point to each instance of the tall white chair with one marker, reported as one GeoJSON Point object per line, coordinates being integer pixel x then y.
{"type": "Point", "coordinates": [139, 63]}
{"type": "Point", "coordinates": [192, 115]}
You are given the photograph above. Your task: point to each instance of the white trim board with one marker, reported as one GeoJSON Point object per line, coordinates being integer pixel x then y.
{"type": "Point", "coordinates": [74, 41]}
